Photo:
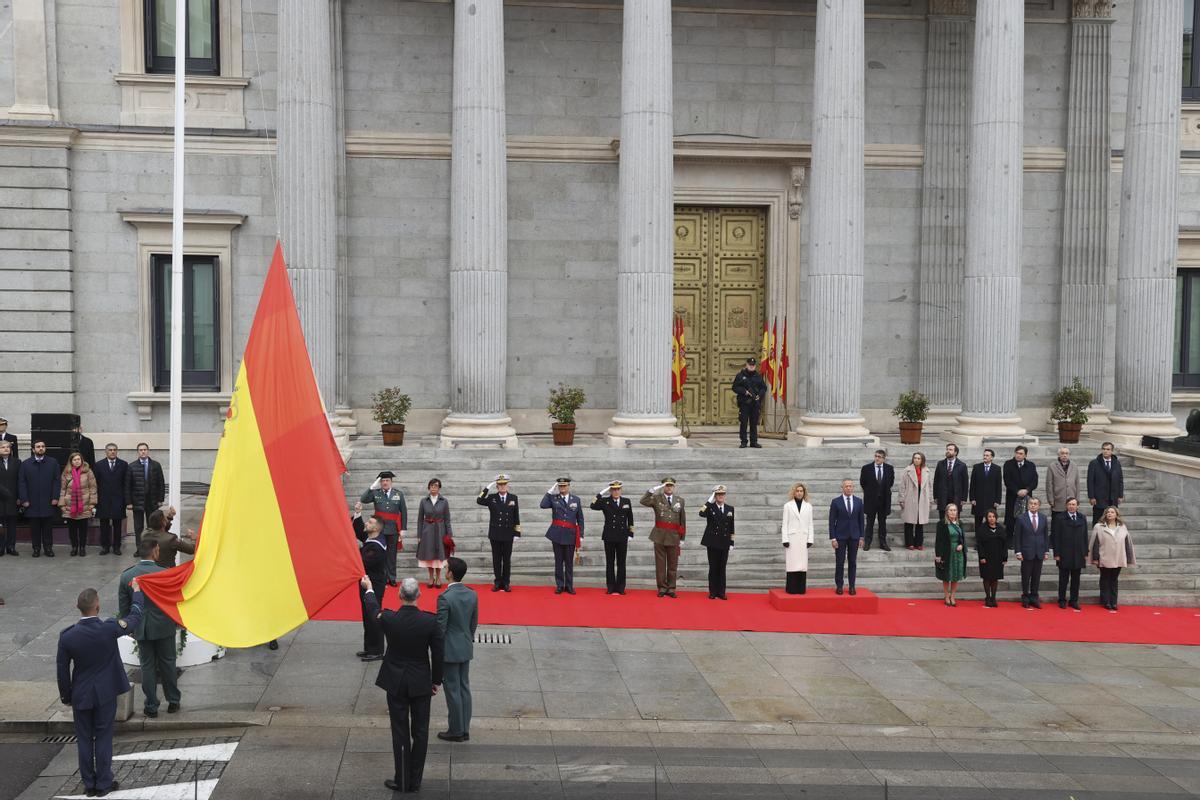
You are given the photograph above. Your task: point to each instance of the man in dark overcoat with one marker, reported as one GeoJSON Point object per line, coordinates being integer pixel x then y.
{"type": "Point", "coordinates": [10, 472]}
{"type": "Point", "coordinates": [1069, 540]}
{"type": "Point", "coordinates": [110, 483]}
{"type": "Point", "coordinates": [38, 487]}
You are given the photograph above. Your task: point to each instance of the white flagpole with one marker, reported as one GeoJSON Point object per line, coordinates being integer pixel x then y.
{"type": "Point", "coordinates": [175, 444]}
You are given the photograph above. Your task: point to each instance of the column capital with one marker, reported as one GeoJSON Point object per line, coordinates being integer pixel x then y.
{"type": "Point", "coordinates": [1092, 9]}
{"type": "Point", "coordinates": [949, 8]}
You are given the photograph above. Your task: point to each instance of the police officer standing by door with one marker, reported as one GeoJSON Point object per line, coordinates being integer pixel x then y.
{"type": "Point", "coordinates": [750, 389]}
{"type": "Point", "coordinates": [504, 528]}
{"type": "Point", "coordinates": [618, 530]}
{"type": "Point", "coordinates": [391, 512]}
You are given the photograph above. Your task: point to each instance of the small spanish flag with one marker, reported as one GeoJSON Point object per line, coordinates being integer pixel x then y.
{"type": "Point", "coordinates": [276, 542]}
{"type": "Point", "coordinates": [678, 360]}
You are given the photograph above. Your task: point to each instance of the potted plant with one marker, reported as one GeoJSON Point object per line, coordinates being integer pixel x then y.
{"type": "Point", "coordinates": [912, 408]}
{"type": "Point", "coordinates": [564, 402]}
{"type": "Point", "coordinates": [390, 407]}
{"type": "Point", "coordinates": [1069, 407]}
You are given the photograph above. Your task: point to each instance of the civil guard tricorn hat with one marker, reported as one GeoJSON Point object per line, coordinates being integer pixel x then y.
{"type": "Point", "coordinates": [387, 473]}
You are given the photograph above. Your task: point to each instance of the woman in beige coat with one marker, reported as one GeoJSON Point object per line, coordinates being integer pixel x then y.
{"type": "Point", "coordinates": [797, 538]}
{"type": "Point", "coordinates": [77, 500]}
{"type": "Point", "coordinates": [916, 500]}
{"type": "Point", "coordinates": [1110, 549]}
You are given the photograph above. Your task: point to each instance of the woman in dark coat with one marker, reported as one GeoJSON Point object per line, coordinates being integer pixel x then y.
{"type": "Point", "coordinates": [1069, 539]}
{"type": "Point", "coordinates": [991, 544]}
{"type": "Point", "coordinates": [433, 528]}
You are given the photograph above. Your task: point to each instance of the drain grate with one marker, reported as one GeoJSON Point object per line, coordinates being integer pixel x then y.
{"type": "Point", "coordinates": [64, 739]}
{"type": "Point", "coordinates": [493, 638]}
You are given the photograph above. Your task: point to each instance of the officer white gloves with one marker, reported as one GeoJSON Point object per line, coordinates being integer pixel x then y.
{"type": "Point", "coordinates": [657, 489]}
{"type": "Point", "coordinates": [378, 484]}
{"type": "Point", "coordinates": [553, 488]}
{"type": "Point", "coordinates": [604, 492]}
{"type": "Point", "coordinates": [491, 487]}
{"type": "Point", "coordinates": [712, 498]}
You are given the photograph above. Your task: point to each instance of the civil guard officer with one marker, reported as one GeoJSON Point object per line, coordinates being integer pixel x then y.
{"type": "Point", "coordinates": [718, 539]}
{"type": "Point", "coordinates": [565, 532]}
{"type": "Point", "coordinates": [667, 534]}
{"type": "Point", "coordinates": [391, 513]}
{"type": "Point", "coordinates": [504, 528]}
{"type": "Point", "coordinates": [618, 530]}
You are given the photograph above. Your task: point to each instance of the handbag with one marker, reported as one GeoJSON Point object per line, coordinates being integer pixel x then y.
{"type": "Point", "coordinates": [448, 543]}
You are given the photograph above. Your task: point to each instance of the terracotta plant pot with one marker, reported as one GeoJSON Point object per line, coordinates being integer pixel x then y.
{"type": "Point", "coordinates": [564, 433]}
{"type": "Point", "coordinates": [393, 435]}
{"type": "Point", "coordinates": [1068, 432]}
{"type": "Point", "coordinates": [910, 432]}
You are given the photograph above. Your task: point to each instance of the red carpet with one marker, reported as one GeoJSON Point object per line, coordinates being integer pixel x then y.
{"type": "Point", "coordinates": [693, 611]}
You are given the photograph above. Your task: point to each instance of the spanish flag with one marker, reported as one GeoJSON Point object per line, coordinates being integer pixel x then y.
{"type": "Point", "coordinates": [276, 542]}
{"type": "Point", "coordinates": [678, 360]}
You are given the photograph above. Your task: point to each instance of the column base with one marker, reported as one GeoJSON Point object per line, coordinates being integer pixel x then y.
{"type": "Point", "coordinates": [341, 436]}
{"type": "Point", "coordinates": [1128, 429]}
{"type": "Point", "coordinates": [833, 431]}
{"type": "Point", "coordinates": [343, 417]}
{"type": "Point", "coordinates": [464, 431]}
{"type": "Point", "coordinates": [941, 419]}
{"type": "Point", "coordinates": [634, 431]}
{"type": "Point", "coordinates": [973, 431]}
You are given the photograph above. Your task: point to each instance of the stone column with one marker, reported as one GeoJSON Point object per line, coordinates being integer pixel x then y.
{"type": "Point", "coordinates": [308, 158]}
{"type": "Point", "coordinates": [1085, 204]}
{"type": "Point", "coordinates": [478, 232]}
{"type": "Point", "coordinates": [345, 426]}
{"type": "Point", "coordinates": [645, 238]}
{"type": "Point", "coordinates": [1149, 228]}
{"type": "Point", "coordinates": [835, 229]}
{"type": "Point", "coordinates": [944, 209]}
{"type": "Point", "coordinates": [35, 60]}
{"type": "Point", "coordinates": [992, 289]}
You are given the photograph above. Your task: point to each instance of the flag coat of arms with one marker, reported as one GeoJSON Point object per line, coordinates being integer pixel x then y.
{"type": "Point", "coordinates": [275, 543]}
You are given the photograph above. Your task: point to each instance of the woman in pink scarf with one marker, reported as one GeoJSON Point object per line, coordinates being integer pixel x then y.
{"type": "Point", "coordinates": [77, 499]}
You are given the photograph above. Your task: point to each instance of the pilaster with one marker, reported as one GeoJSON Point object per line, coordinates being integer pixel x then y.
{"type": "Point", "coordinates": [35, 61]}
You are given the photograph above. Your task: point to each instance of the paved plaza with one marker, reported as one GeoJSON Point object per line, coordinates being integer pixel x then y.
{"type": "Point", "coordinates": [565, 712]}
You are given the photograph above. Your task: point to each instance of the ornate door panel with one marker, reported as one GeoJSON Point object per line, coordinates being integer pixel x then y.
{"type": "Point", "coordinates": [720, 272]}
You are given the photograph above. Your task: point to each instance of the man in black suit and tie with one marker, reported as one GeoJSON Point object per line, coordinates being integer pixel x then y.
{"type": "Point", "coordinates": [846, 530]}
{"type": "Point", "coordinates": [1020, 479]}
{"type": "Point", "coordinates": [110, 484]}
{"type": "Point", "coordinates": [876, 480]}
{"type": "Point", "coordinates": [91, 688]}
{"type": "Point", "coordinates": [5, 436]}
{"type": "Point", "coordinates": [1031, 544]}
{"type": "Point", "coordinates": [1105, 482]}
{"type": "Point", "coordinates": [411, 674]}
{"type": "Point", "coordinates": [504, 528]}
{"type": "Point", "coordinates": [987, 488]}
{"type": "Point", "coordinates": [10, 470]}
{"type": "Point", "coordinates": [950, 483]}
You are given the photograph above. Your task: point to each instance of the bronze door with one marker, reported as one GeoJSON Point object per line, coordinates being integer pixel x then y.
{"type": "Point", "coordinates": [720, 279]}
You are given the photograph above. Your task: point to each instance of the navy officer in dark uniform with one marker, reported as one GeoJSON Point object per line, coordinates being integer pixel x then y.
{"type": "Point", "coordinates": [92, 686]}
{"type": "Point", "coordinates": [718, 539]}
{"type": "Point", "coordinates": [565, 532]}
{"type": "Point", "coordinates": [618, 530]}
{"type": "Point", "coordinates": [504, 528]}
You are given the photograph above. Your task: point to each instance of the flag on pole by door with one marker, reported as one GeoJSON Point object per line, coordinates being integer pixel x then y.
{"type": "Point", "coordinates": [783, 365]}
{"type": "Point", "coordinates": [275, 544]}
{"type": "Point", "coordinates": [678, 360]}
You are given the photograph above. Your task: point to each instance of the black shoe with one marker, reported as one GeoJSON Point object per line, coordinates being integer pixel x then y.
{"type": "Point", "coordinates": [662, 594]}
{"type": "Point", "coordinates": [361, 653]}
{"type": "Point", "coordinates": [671, 595]}
{"type": "Point", "coordinates": [49, 554]}
{"type": "Point", "coordinates": [104, 551]}
{"type": "Point", "coordinates": [853, 591]}
{"type": "Point", "coordinates": [838, 590]}
{"type": "Point", "coordinates": [742, 445]}
{"type": "Point", "coordinates": [447, 736]}
{"type": "Point", "coordinates": [1024, 602]}
{"type": "Point", "coordinates": [558, 590]}
{"type": "Point", "coordinates": [508, 588]}
{"type": "Point", "coordinates": [756, 445]}
{"type": "Point", "coordinates": [495, 588]}
{"type": "Point", "coordinates": [722, 597]}
{"type": "Point", "coordinates": [13, 552]}
{"type": "Point", "coordinates": [1036, 603]}
{"type": "Point", "coordinates": [1113, 607]}
{"type": "Point", "coordinates": [392, 583]}
{"type": "Point", "coordinates": [111, 787]}
{"type": "Point", "coordinates": [866, 546]}
{"type": "Point", "coordinates": [1062, 603]}
{"type": "Point", "coordinates": [273, 644]}
{"type": "Point", "coordinates": [712, 596]}
{"type": "Point", "coordinates": [391, 784]}
{"type": "Point", "coordinates": [37, 553]}
{"type": "Point", "coordinates": [371, 657]}
{"type": "Point", "coordinates": [1075, 605]}
{"type": "Point", "coordinates": [82, 552]}
{"type": "Point", "coordinates": [884, 546]}
{"type": "Point", "coordinates": [90, 793]}
{"type": "Point", "coordinates": [74, 551]}
{"type": "Point", "coordinates": [151, 714]}
{"type": "Point", "coordinates": [172, 708]}
{"type": "Point", "coordinates": [571, 591]}
{"type": "Point", "coordinates": [116, 551]}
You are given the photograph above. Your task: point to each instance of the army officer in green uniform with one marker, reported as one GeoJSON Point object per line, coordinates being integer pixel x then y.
{"type": "Point", "coordinates": [667, 534]}
{"type": "Point", "coordinates": [391, 513]}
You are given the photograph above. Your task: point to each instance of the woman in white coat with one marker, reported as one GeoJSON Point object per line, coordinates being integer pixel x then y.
{"type": "Point", "coordinates": [797, 538]}
{"type": "Point", "coordinates": [916, 500]}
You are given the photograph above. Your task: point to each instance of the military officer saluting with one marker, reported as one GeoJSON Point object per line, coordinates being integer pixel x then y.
{"type": "Point", "coordinates": [618, 530]}
{"type": "Point", "coordinates": [565, 532]}
{"type": "Point", "coordinates": [391, 513]}
{"type": "Point", "coordinates": [667, 534]}
{"type": "Point", "coordinates": [718, 539]}
{"type": "Point", "coordinates": [504, 528]}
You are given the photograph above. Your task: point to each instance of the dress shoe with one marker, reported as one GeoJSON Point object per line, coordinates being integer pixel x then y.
{"type": "Point", "coordinates": [82, 552]}
{"type": "Point", "coordinates": [1024, 602]}
{"type": "Point", "coordinates": [884, 547]}
{"type": "Point", "coordinates": [920, 547]}
{"type": "Point", "coordinates": [90, 792]}
{"type": "Point", "coordinates": [508, 588]}
{"type": "Point", "coordinates": [722, 597]}
{"type": "Point", "coordinates": [742, 445]}
{"type": "Point", "coordinates": [838, 590]}
{"type": "Point", "coordinates": [371, 657]}
{"type": "Point", "coordinates": [13, 552]}
{"type": "Point", "coordinates": [672, 595]}
{"type": "Point", "coordinates": [571, 590]}
{"type": "Point", "coordinates": [74, 551]}
{"type": "Point", "coordinates": [756, 446]}
{"type": "Point", "coordinates": [172, 708]}
{"type": "Point", "coordinates": [558, 590]}
{"type": "Point", "coordinates": [1075, 605]}
{"type": "Point", "coordinates": [273, 644]}
{"type": "Point", "coordinates": [495, 588]}
{"type": "Point", "coordinates": [1036, 603]}
{"type": "Point", "coordinates": [150, 714]}
{"type": "Point", "coordinates": [112, 787]}
{"type": "Point", "coordinates": [361, 653]}
{"type": "Point", "coordinates": [866, 546]}
{"type": "Point", "coordinates": [49, 554]}
{"type": "Point", "coordinates": [392, 583]}
{"type": "Point", "coordinates": [391, 784]}
{"type": "Point", "coordinates": [1113, 607]}
{"type": "Point", "coordinates": [712, 597]}
{"type": "Point", "coordinates": [37, 553]}
{"type": "Point", "coordinates": [116, 551]}
{"type": "Point", "coordinates": [447, 736]}
{"type": "Point", "coordinates": [104, 551]}
{"type": "Point", "coordinates": [661, 594]}
{"type": "Point", "coordinates": [1062, 603]}
{"type": "Point", "coordinates": [853, 591]}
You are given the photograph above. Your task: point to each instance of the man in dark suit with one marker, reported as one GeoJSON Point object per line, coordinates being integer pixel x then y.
{"type": "Point", "coordinates": [504, 528]}
{"type": "Point", "coordinates": [145, 488]}
{"type": "Point", "coordinates": [411, 673]}
{"type": "Point", "coordinates": [1105, 482]}
{"type": "Point", "coordinates": [92, 686]}
{"type": "Point", "coordinates": [38, 487]}
{"type": "Point", "coordinates": [110, 484]}
{"type": "Point", "coordinates": [565, 532]}
{"type": "Point", "coordinates": [1020, 479]}
{"type": "Point", "coordinates": [750, 390]}
{"type": "Point", "coordinates": [847, 526]}
{"type": "Point", "coordinates": [987, 488]}
{"type": "Point", "coordinates": [374, 558]}
{"type": "Point", "coordinates": [876, 480]}
{"type": "Point", "coordinates": [457, 618]}
{"type": "Point", "coordinates": [618, 530]}
{"type": "Point", "coordinates": [87, 448]}
{"type": "Point", "coordinates": [5, 436]}
{"type": "Point", "coordinates": [1031, 544]}
{"type": "Point", "coordinates": [154, 634]}
{"type": "Point", "coordinates": [950, 482]}
{"type": "Point", "coordinates": [10, 471]}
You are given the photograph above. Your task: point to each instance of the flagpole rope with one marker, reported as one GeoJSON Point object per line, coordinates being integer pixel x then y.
{"type": "Point", "coordinates": [262, 101]}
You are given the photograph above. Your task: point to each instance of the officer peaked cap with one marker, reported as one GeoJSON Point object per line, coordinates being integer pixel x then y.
{"type": "Point", "coordinates": [564, 481]}
{"type": "Point", "coordinates": [668, 481]}
{"type": "Point", "coordinates": [501, 478]}
{"type": "Point", "coordinates": [615, 485]}
{"type": "Point", "coordinates": [387, 473]}
{"type": "Point", "coordinates": [719, 489]}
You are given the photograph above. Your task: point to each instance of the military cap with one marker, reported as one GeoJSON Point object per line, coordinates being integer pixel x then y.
{"type": "Point", "coordinates": [501, 478]}
{"type": "Point", "coordinates": [751, 360]}
{"type": "Point", "coordinates": [614, 485]}
{"type": "Point", "coordinates": [563, 481]}
{"type": "Point", "coordinates": [2, 419]}
{"type": "Point", "coordinates": [668, 481]}
{"type": "Point", "coordinates": [387, 473]}
{"type": "Point", "coordinates": [719, 489]}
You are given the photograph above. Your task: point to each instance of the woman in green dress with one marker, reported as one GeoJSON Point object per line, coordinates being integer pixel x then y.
{"type": "Point", "coordinates": [950, 555]}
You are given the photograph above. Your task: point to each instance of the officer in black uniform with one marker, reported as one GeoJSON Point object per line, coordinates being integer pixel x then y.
{"type": "Point", "coordinates": [504, 528]}
{"type": "Point", "coordinates": [750, 390]}
{"type": "Point", "coordinates": [718, 539]}
{"type": "Point", "coordinates": [618, 530]}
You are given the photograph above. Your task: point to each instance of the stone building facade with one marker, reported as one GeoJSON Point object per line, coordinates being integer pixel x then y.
{"type": "Point", "coordinates": [478, 200]}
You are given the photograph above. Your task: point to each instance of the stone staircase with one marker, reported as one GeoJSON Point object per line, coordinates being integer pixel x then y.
{"type": "Point", "coordinates": [1167, 544]}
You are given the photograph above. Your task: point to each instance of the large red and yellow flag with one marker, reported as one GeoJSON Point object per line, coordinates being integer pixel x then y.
{"type": "Point", "coordinates": [276, 542]}
{"type": "Point", "coordinates": [678, 360]}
